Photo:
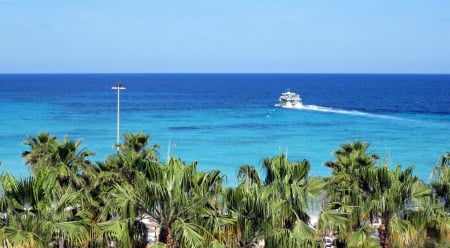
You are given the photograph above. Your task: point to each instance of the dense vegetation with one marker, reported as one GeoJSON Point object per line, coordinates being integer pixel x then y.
{"type": "Point", "coordinates": [69, 201]}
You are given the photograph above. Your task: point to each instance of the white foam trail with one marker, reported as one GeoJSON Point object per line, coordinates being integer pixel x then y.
{"type": "Point", "coordinates": [340, 111]}
{"type": "Point", "coordinates": [333, 110]}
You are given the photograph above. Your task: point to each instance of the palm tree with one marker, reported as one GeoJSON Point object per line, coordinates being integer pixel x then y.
{"type": "Point", "coordinates": [347, 186]}
{"type": "Point", "coordinates": [395, 196]}
{"type": "Point", "coordinates": [440, 180]}
{"type": "Point", "coordinates": [137, 143]}
{"type": "Point", "coordinates": [352, 156]}
{"type": "Point", "coordinates": [291, 192]}
{"type": "Point", "coordinates": [68, 178]}
{"type": "Point", "coordinates": [65, 159]}
{"type": "Point", "coordinates": [184, 193]}
{"type": "Point", "coordinates": [35, 219]}
{"type": "Point", "coordinates": [133, 159]}
{"type": "Point", "coordinates": [16, 206]}
{"type": "Point", "coordinates": [437, 216]}
{"type": "Point", "coordinates": [274, 209]}
{"type": "Point", "coordinates": [288, 181]}
{"type": "Point", "coordinates": [431, 222]}
{"type": "Point", "coordinates": [40, 147]}
{"type": "Point", "coordinates": [174, 195]}
{"type": "Point", "coordinates": [248, 203]}
{"type": "Point", "coordinates": [125, 170]}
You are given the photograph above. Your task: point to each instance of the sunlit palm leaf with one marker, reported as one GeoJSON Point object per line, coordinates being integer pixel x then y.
{"type": "Point", "coordinates": [116, 230]}
{"type": "Point", "coordinates": [187, 234]}
{"type": "Point", "coordinates": [362, 239]}
{"type": "Point", "coordinates": [18, 238]}
{"type": "Point", "coordinates": [401, 231]}
{"type": "Point", "coordinates": [331, 220]}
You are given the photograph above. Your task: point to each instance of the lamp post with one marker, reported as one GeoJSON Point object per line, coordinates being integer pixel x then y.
{"type": "Point", "coordinates": [118, 87]}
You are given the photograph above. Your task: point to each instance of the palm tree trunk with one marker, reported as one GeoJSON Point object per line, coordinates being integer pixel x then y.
{"type": "Point", "coordinates": [165, 236]}
{"type": "Point", "coordinates": [383, 235]}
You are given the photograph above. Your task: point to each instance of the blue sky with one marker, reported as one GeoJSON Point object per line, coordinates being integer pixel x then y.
{"type": "Point", "coordinates": [346, 36]}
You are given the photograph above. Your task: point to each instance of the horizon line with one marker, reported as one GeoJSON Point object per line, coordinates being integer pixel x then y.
{"type": "Point", "coordinates": [306, 73]}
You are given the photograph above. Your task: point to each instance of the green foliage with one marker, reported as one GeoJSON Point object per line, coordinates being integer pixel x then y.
{"type": "Point", "coordinates": [440, 180]}
{"type": "Point", "coordinates": [362, 239]}
{"type": "Point", "coordinates": [70, 202]}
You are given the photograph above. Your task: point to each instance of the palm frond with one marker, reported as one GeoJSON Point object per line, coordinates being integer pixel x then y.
{"type": "Point", "coordinates": [18, 238]}
{"type": "Point", "coordinates": [187, 234]}
{"type": "Point", "coordinates": [402, 232]}
{"type": "Point", "coordinates": [115, 230]}
{"type": "Point", "coordinates": [362, 239]}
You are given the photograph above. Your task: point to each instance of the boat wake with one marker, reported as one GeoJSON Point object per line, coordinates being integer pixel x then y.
{"type": "Point", "coordinates": [337, 111]}
{"type": "Point", "coordinates": [293, 100]}
{"type": "Point", "coordinates": [333, 110]}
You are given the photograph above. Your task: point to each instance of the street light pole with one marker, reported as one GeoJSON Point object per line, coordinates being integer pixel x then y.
{"type": "Point", "coordinates": [118, 87]}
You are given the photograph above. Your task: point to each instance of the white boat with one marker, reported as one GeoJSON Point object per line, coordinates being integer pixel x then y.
{"type": "Point", "coordinates": [290, 99]}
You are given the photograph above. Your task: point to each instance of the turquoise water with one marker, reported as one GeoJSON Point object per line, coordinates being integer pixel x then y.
{"type": "Point", "coordinates": [226, 120]}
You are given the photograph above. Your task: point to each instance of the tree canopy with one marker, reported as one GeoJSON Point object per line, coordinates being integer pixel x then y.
{"type": "Point", "coordinates": [133, 199]}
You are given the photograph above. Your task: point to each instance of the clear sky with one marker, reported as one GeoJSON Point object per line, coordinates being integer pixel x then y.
{"type": "Point", "coordinates": [316, 36]}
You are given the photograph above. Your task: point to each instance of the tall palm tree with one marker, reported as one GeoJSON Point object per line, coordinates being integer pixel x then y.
{"type": "Point", "coordinates": [183, 196]}
{"type": "Point", "coordinates": [275, 208]}
{"type": "Point", "coordinates": [291, 192]}
{"type": "Point", "coordinates": [287, 182]}
{"type": "Point", "coordinates": [395, 195]}
{"type": "Point", "coordinates": [125, 170]}
{"type": "Point", "coordinates": [352, 156]}
{"type": "Point", "coordinates": [248, 203]}
{"type": "Point", "coordinates": [347, 186]}
{"type": "Point", "coordinates": [138, 143]}
{"type": "Point", "coordinates": [67, 176]}
{"type": "Point", "coordinates": [175, 196]}
{"type": "Point", "coordinates": [40, 147]}
{"type": "Point", "coordinates": [65, 158]}
{"type": "Point", "coordinates": [133, 159]}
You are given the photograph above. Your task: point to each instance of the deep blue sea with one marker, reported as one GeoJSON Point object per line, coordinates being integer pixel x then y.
{"type": "Point", "coordinates": [223, 121]}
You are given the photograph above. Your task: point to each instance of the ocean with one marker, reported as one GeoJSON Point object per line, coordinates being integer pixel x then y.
{"type": "Point", "coordinates": [223, 121]}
